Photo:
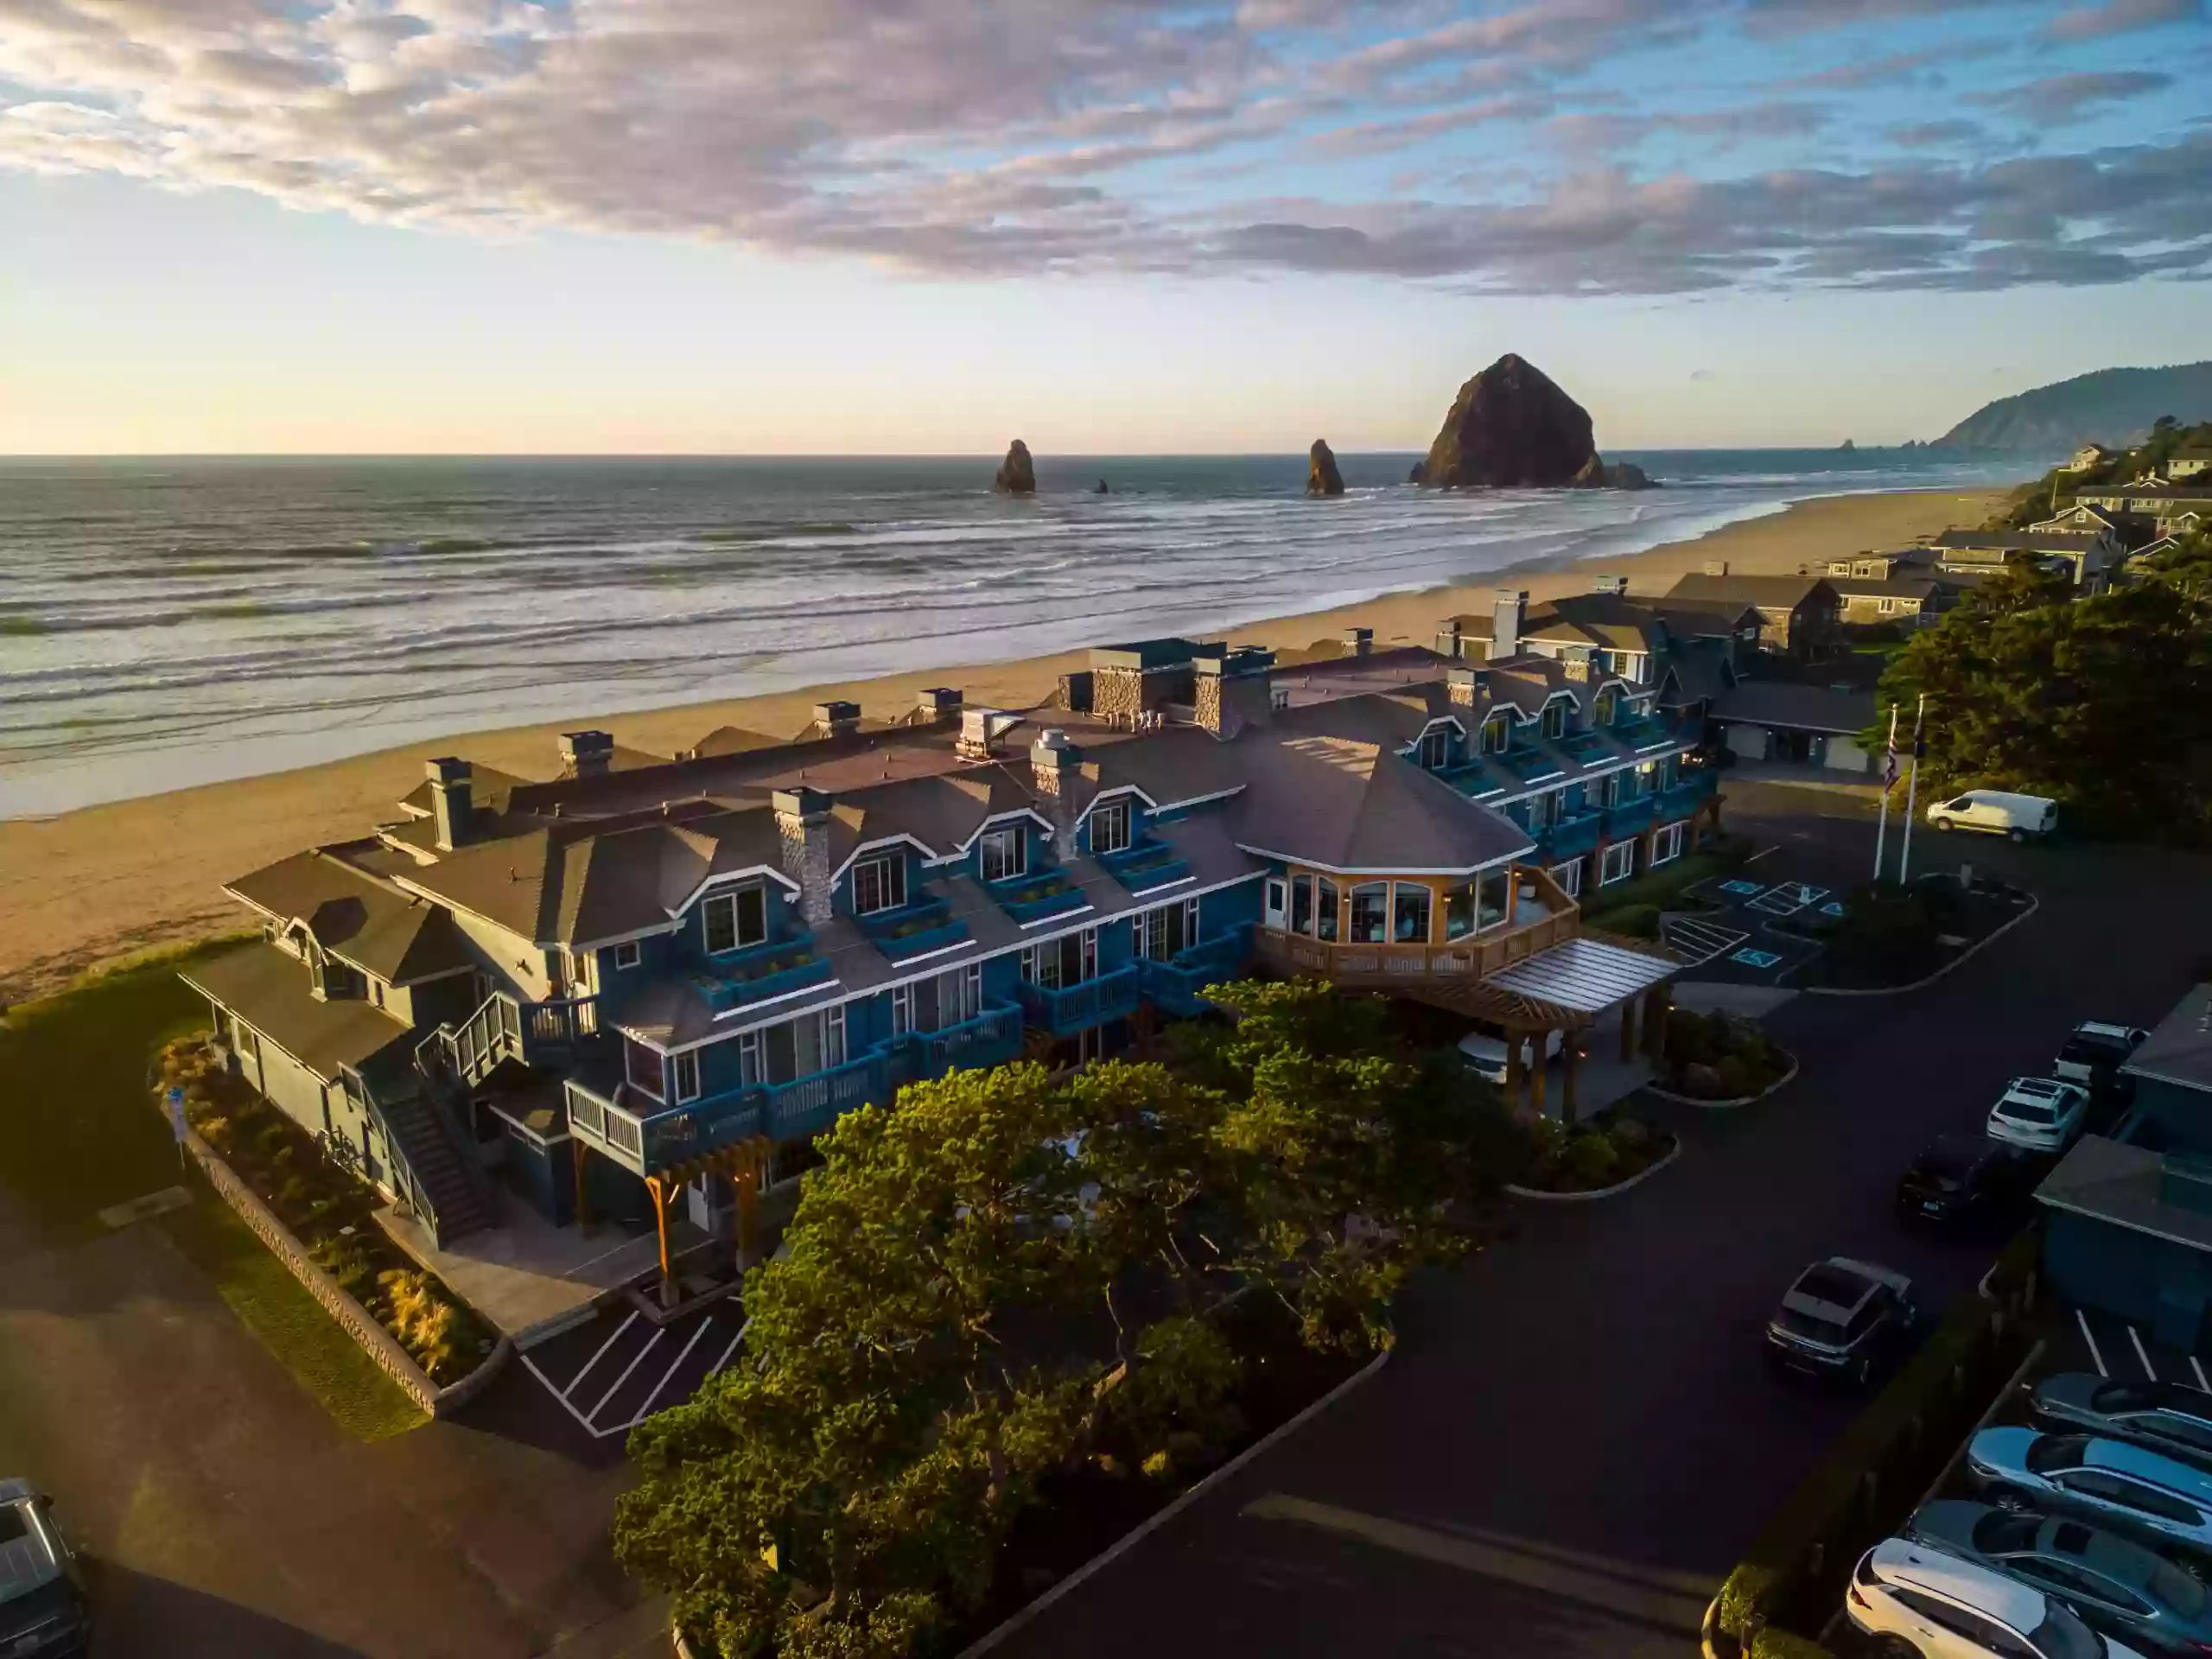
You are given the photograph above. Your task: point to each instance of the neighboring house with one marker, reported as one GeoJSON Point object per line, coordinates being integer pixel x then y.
{"type": "Point", "coordinates": [1915, 602]}
{"type": "Point", "coordinates": [1796, 725]}
{"type": "Point", "coordinates": [2088, 455]}
{"type": "Point", "coordinates": [2171, 505]}
{"type": "Point", "coordinates": [2088, 556]}
{"type": "Point", "coordinates": [628, 987]}
{"type": "Point", "coordinates": [2127, 1220]}
{"type": "Point", "coordinates": [1902, 564]}
{"type": "Point", "coordinates": [1797, 615]}
{"type": "Point", "coordinates": [2188, 463]}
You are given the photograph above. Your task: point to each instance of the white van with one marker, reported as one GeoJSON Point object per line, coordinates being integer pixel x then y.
{"type": "Point", "coordinates": [1996, 812]}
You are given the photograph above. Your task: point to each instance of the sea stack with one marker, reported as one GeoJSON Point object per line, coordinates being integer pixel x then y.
{"type": "Point", "coordinates": [1511, 427]}
{"type": "Point", "coordinates": [1321, 475]}
{"type": "Point", "coordinates": [1016, 474]}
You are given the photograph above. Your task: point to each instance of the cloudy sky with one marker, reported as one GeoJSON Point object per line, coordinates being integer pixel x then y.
{"type": "Point", "coordinates": [923, 226]}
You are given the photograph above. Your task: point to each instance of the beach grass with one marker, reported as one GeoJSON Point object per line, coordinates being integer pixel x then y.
{"type": "Point", "coordinates": [79, 1133]}
{"type": "Point", "coordinates": [21, 627]}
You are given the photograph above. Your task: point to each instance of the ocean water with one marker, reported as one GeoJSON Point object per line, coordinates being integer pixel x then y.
{"type": "Point", "coordinates": [165, 622]}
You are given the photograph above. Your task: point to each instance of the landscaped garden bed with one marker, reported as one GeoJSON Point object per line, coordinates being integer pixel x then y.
{"type": "Point", "coordinates": [1634, 907]}
{"type": "Point", "coordinates": [1889, 935]}
{"type": "Point", "coordinates": [331, 1211]}
{"type": "Point", "coordinates": [1719, 1057]}
{"type": "Point", "coordinates": [1603, 1152]}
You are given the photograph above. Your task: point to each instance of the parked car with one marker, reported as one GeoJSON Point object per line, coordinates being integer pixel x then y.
{"type": "Point", "coordinates": [43, 1612]}
{"type": "Point", "coordinates": [2162, 1415]}
{"type": "Point", "coordinates": [2042, 1114]}
{"type": "Point", "coordinates": [1995, 812]}
{"type": "Point", "coordinates": [1968, 1177]}
{"type": "Point", "coordinates": [1483, 1049]}
{"type": "Point", "coordinates": [2128, 1486]}
{"type": "Point", "coordinates": [1841, 1318]}
{"type": "Point", "coordinates": [2094, 1053]}
{"type": "Point", "coordinates": [2114, 1585]}
{"type": "Point", "coordinates": [1931, 1603]}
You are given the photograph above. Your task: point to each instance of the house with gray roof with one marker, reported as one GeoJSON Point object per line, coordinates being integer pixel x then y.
{"type": "Point", "coordinates": [1798, 615]}
{"type": "Point", "coordinates": [2088, 555]}
{"type": "Point", "coordinates": [650, 982]}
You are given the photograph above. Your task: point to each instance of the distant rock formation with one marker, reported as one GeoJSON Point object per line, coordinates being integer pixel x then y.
{"type": "Point", "coordinates": [1848, 444]}
{"type": "Point", "coordinates": [1419, 474]}
{"type": "Point", "coordinates": [2112, 406]}
{"type": "Point", "coordinates": [1512, 426]}
{"type": "Point", "coordinates": [1601, 474]}
{"type": "Point", "coordinates": [1016, 474]}
{"type": "Point", "coordinates": [1321, 475]}
{"type": "Point", "coordinates": [1102, 489]}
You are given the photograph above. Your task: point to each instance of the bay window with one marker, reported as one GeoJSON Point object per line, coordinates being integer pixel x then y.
{"type": "Point", "coordinates": [1493, 897]}
{"type": "Point", "coordinates": [1410, 913]}
{"type": "Point", "coordinates": [1370, 913]}
{"type": "Point", "coordinates": [1324, 911]}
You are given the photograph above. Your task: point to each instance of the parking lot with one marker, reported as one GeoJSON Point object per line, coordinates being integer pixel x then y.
{"type": "Point", "coordinates": [611, 1374]}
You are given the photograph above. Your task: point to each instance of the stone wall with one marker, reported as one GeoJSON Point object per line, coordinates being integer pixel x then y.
{"type": "Point", "coordinates": [1119, 692]}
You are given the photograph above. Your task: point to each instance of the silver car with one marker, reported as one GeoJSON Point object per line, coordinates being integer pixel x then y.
{"type": "Point", "coordinates": [2166, 1418]}
{"type": "Point", "coordinates": [2126, 1486]}
{"type": "Point", "coordinates": [2116, 1586]}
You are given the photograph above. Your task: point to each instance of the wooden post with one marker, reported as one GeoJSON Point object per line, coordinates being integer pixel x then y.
{"type": "Point", "coordinates": [1628, 1029]}
{"type": "Point", "coordinates": [1566, 1050]}
{"type": "Point", "coordinates": [1654, 1020]}
{"type": "Point", "coordinates": [1537, 1046]}
{"type": "Point", "coordinates": [1513, 1070]}
{"type": "Point", "coordinates": [747, 1183]}
{"type": "Point", "coordinates": [653, 1187]}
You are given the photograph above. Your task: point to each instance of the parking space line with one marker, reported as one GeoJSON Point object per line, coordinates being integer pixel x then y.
{"type": "Point", "coordinates": [2089, 1337]}
{"type": "Point", "coordinates": [558, 1396]}
{"type": "Point", "coordinates": [626, 1372]}
{"type": "Point", "coordinates": [2201, 1385]}
{"type": "Point", "coordinates": [716, 1369]}
{"type": "Point", "coordinates": [2140, 1355]}
{"type": "Point", "coordinates": [1762, 852]}
{"type": "Point", "coordinates": [666, 1376]}
{"type": "Point", "coordinates": [601, 1355]}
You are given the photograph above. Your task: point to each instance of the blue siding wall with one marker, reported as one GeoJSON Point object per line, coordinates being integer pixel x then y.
{"type": "Point", "coordinates": [2154, 1283]}
{"type": "Point", "coordinates": [2181, 1117]}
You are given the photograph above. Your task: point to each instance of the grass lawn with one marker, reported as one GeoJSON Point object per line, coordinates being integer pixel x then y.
{"type": "Point", "coordinates": [1659, 889]}
{"type": "Point", "coordinates": [77, 1133]}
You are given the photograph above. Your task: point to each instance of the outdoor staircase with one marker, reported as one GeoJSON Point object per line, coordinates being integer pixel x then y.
{"type": "Point", "coordinates": [453, 1204]}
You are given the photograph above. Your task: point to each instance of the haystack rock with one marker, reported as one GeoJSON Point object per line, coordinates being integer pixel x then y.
{"type": "Point", "coordinates": [1321, 475]}
{"type": "Point", "coordinates": [1016, 473]}
{"type": "Point", "coordinates": [1512, 426]}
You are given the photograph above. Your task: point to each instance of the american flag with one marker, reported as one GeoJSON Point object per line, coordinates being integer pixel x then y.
{"type": "Point", "coordinates": [1890, 762]}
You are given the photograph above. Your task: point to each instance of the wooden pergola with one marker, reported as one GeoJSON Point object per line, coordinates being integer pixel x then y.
{"type": "Point", "coordinates": [746, 1163]}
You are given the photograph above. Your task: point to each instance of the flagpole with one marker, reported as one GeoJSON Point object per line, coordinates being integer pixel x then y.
{"type": "Point", "coordinates": [1911, 791]}
{"type": "Point", "coordinates": [1889, 778]}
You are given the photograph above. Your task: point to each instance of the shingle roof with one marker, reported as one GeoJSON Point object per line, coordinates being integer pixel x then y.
{"type": "Point", "coordinates": [2046, 541]}
{"type": "Point", "coordinates": [1920, 588]}
{"type": "Point", "coordinates": [2125, 1185]}
{"type": "Point", "coordinates": [1703, 591]}
{"type": "Point", "coordinates": [361, 920]}
{"type": "Point", "coordinates": [1798, 707]}
{"type": "Point", "coordinates": [488, 791]}
{"type": "Point", "coordinates": [2179, 1050]}
{"type": "Point", "coordinates": [1347, 805]}
{"type": "Point", "coordinates": [269, 989]}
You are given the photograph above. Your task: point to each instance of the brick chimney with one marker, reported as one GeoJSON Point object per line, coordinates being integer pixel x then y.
{"type": "Point", "coordinates": [1469, 688]}
{"type": "Point", "coordinates": [936, 703]}
{"type": "Point", "coordinates": [1510, 611]}
{"type": "Point", "coordinates": [1053, 764]}
{"type": "Point", "coordinates": [838, 719]}
{"type": "Point", "coordinates": [1577, 662]}
{"type": "Point", "coordinates": [1358, 642]}
{"type": "Point", "coordinates": [452, 805]}
{"type": "Point", "coordinates": [588, 754]}
{"type": "Point", "coordinates": [803, 826]}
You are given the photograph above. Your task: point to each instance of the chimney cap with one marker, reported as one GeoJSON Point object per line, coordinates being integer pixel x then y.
{"type": "Point", "coordinates": [939, 698]}
{"type": "Point", "coordinates": [1053, 750]}
{"type": "Point", "coordinates": [799, 802]}
{"type": "Point", "coordinates": [1353, 636]}
{"type": "Point", "coordinates": [1716, 567]}
{"type": "Point", "coordinates": [446, 769]}
{"type": "Point", "coordinates": [591, 742]}
{"type": "Point", "coordinates": [830, 713]}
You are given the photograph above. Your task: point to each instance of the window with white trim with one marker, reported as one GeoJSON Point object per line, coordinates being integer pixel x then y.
{"type": "Point", "coordinates": [734, 921]}
{"type": "Point", "coordinates": [645, 1069]}
{"type": "Point", "coordinates": [1555, 719]}
{"type": "Point", "coordinates": [1618, 864]}
{"type": "Point", "coordinates": [1166, 930]}
{"type": "Point", "coordinates": [833, 1036]}
{"type": "Point", "coordinates": [628, 954]}
{"type": "Point", "coordinates": [749, 1071]}
{"type": "Point", "coordinates": [1435, 747]}
{"type": "Point", "coordinates": [1496, 732]}
{"type": "Point", "coordinates": [1667, 844]}
{"type": "Point", "coordinates": [878, 883]}
{"type": "Point", "coordinates": [1567, 877]}
{"type": "Point", "coordinates": [1110, 827]}
{"type": "Point", "coordinates": [1005, 854]}
{"type": "Point", "coordinates": [686, 1070]}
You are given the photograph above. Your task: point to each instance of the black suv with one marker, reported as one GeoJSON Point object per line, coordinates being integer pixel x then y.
{"type": "Point", "coordinates": [1842, 1319]}
{"type": "Point", "coordinates": [1967, 1179]}
{"type": "Point", "coordinates": [43, 1610]}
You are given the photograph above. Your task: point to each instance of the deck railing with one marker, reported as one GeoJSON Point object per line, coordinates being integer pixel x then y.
{"type": "Point", "coordinates": [1077, 1008]}
{"type": "Point", "coordinates": [1465, 960]}
{"type": "Point", "coordinates": [1176, 986]}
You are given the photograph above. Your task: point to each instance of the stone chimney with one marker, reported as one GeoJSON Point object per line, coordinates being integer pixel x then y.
{"type": "Point", "coordinates": [1578, 662]}
{"type": "Point", "coordinates": [1716, 567]}
{"type": "Point", "coordinates": [1616, 586]}
{"type": "Point", "coordinates": [1232, 692]}
{"type": "Point", "coordinates": [1449, 640]}
{"type": "Point", "coordinates": [1052, 763]}
{"type": "Point", "coordinates": [588, 754]}
{"type": "Point", "coordinates": [1510, 611]}
{"type": "Point", "coordinates": [936, 703]}
{"type": "Point", "coordinates": [1469, 688]}
{"type": "Point", "coordinates": [1358, 642]}
{"type": "Point", "coordinates": [803, 826]}
{"type": "Point", "coordinates": [451, 802]}
{"type": "Point", "coordinates": [838, 719]}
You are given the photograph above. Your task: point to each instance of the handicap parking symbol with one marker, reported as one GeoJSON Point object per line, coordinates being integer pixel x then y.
{"type": "Point", "coordinates": [1756, 958]}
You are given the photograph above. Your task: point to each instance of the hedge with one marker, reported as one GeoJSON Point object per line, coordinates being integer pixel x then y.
{"type": "Point", "coordinates": [1795, 1567]}
{"type": "Point", "coordinates": [1774, 1643]}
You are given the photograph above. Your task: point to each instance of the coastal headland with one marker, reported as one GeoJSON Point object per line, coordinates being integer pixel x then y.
{"type": "Point", "coordinates": [89, 888]}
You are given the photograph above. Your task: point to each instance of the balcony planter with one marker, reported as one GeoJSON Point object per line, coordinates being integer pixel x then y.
{"type": "Point", "coordinates": [789, 969]}
{"type": "Point", "coordinates": [1034, 899]}
{"type": "Point", "coordinates": [900, 946]}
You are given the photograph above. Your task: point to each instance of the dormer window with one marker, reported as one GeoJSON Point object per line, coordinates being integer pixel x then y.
{"type": "Point", "coordinates": [1496, 733]}
{"type": "Point", "coordinates": [1554, 719]}
{"type": "Point", "coordinates": [734, 920]}
{"type": "Point", "coordinates": [1109, 827]}
{"type": "Point", "coordinates": [1435, 748]}
{"type": "Point", "coordinates": [1608, 702]}
{"type": "Point", "coordinates": [1005, 854]}
{"type": "Point", "coordinates": [878, 883]}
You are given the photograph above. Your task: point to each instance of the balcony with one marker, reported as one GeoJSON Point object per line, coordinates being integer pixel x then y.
{"type": "Point", "coordinates": [914, 930]}
{"type": "Point", "coordinates": [1645, 733]}
{"type": "Point", "coordinates": [1584, 745]}
{"type": "Point", "coordinates": [1175, 987]}
{"type": "Point", "coordinates": [809, 1105]}
{"type": "Point", "coordinates": [1686, 796]}
{"type": "Point", "coordinates": [1569, 838]}
{"type": "Point", "coordinates": [1147, 865]}
{"type": "Point", "coordinates": [1462, 961]}
{"type": "Point", "coordinates": [762, 974]}
{"type": "Point", "coordinates": [1629, 817]}
{"type": "Point", "coordinates": [1472, 779]}
{"type": "Point", "coordinates": [992, 1038]}
{"type": "Point", "coordinates": [649, 1140]}
{"type": "Point", "coordinates": [1530, 765]}
{"type": "Point", "coordinates": [1078, 1007]}
{"type": "Point", "coordinates": [1032, 897]}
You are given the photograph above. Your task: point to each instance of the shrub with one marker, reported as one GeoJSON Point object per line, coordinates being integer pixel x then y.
{"type": "Point", "coordinates": [1735, 1077]}
{"type": "Point", "coordinates": [1635, 921]}
{"type": "Point", "coordinates": [1776, 1643]}
{"type": "Point", "coordinates": [1589, 1161]}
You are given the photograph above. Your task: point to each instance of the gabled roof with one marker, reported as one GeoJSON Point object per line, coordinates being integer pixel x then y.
{"type": "Point", "coordinates": [1797, 707]}
{"type": "Point", "coordinates": [270, 990]}
{"type": "Point", "coordinates": [489, 789]}
{"type": "Point", "coordinates": [2030, 541]}
{"type": "Point", "coordinates": [1920, 588]}
{"type": "Point", "coordinates": [1702, 591]}
{"type": "Point", "coordinates": [732, 739]}
{"type": "Point", "coordinates": [1346, 805]}
{"type": "Point", "coordinates": [355, 915]}
{"type": "Point", "coordinates": [1605, 621]}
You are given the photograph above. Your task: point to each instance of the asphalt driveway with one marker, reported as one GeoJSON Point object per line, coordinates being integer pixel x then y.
{"type": "Point", "coordinates": [1577, 1436]}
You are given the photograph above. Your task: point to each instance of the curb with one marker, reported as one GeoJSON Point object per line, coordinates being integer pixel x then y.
{"type": "Point", "coordinates": [1966, 954]}
{"type": "Point", "coordinates": [1782, 1081]}
{"type": "Point", "coordinates": [1130, 1539]}
{"type": "Point", "coordinates": [1636, 1179]}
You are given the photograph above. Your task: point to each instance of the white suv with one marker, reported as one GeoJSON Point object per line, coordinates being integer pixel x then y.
{"type": "Point", "coordinates": [2097, 1047]}
{"type": "Point", "coordinates": [2042, 1114]}
{"type": "Point", "coordinates": [1937, 1605]}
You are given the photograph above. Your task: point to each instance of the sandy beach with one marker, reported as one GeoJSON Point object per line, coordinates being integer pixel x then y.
{"type": "Point", "coordinates": [108, 881]}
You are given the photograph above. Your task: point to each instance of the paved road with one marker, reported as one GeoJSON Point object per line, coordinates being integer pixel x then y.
{"type": "Point", "coordinates": [1577, 1437]}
